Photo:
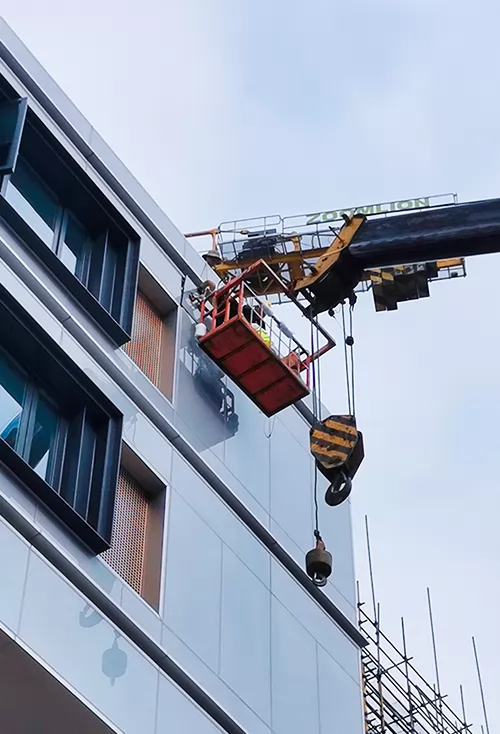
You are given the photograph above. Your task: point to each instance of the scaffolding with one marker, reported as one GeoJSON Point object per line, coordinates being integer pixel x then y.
{"type": "Point", "coordinates": [397, 699]}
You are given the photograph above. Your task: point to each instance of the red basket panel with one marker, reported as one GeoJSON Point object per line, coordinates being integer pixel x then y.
{"type": "Point", "coordinates": [252, 365]}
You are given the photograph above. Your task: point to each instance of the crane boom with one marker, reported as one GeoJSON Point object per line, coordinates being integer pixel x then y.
{"type": "Point", "coordinates": [324, 258]}
{"type": "Point", "coordinates": [423, 236]}
{"type": "Point", "coordinates": [428, 235]}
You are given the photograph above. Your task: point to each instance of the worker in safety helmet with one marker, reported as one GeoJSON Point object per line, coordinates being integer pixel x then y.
{"type": "Point", "coordinates": [256, 316]}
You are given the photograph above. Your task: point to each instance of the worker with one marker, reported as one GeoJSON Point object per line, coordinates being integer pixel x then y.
{"type": "Point", "coordinates": [256, 316]}
{"type": "Point", "coordinates": [253, 314]}
{"type": "Point", "coordinates": [261, 331]}
{"type": "Point", "coordinates": [293, 362]}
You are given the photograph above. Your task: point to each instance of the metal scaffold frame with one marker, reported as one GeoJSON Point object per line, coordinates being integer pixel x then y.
{"type": "Point", "coordinates": [397, 699]}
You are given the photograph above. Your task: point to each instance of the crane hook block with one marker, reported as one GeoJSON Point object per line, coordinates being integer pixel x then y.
{"type": "Point", "coordinates": [337, 447]}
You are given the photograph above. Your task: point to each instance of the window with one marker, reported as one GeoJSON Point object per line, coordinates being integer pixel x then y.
{"type": "Point", "coordinates": [75, 246]}
{"type": "Point", "coordinates": [58, 212]}
{"type": "Point", "coordinates": [29, 420]}
{"type": "Point", "coordinates": [137, 534]}
{"type": "Point", "coordinates": [34, 202]}
{"type": "Point", "coordinates": [152, 346]}
{"type": "Point", "coordinates": [12, 116]}
{"type": "Point", "coordinates": [59, 229]}
{"type": "Point", "coordinates": [58, 433]}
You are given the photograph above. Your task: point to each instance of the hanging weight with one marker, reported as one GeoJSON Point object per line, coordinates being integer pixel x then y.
{"type": "Point", "coordinates": [319, 563]}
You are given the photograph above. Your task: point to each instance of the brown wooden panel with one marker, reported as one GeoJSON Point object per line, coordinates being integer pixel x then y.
{"type": "Point", "coordinates": [128, 537]}
{"type": "Point", "coordinates": [145, 347]}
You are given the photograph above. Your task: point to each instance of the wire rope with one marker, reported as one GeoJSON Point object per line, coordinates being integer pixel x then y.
{"type": "Point", "coordinates": [346, 360]}
{"type": "Point", "coordinates": [353, 393]}
{"type": "Point", "coordinates": [316, 531]}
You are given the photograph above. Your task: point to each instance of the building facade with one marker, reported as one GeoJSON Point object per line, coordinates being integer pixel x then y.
{"type": "Point", "coordinates": [153, 523]}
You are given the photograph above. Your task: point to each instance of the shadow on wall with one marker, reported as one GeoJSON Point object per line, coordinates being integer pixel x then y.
{"type": "Point", "coordinates": [114, 660]}
{"type": "Point", "coordinates": [204, 400]}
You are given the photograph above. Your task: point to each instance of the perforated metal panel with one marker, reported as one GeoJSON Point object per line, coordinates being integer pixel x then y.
{"type": "Point", "coordinates": [145, 346]}
{"type": "Point", "coordinates": [128, 537]}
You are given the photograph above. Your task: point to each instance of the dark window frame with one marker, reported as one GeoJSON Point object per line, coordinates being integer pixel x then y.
{"type": "Point", "coordinates": [18, 108]}
{"type": "Point", "coordinates": [81, 494]}
{"type": "Point", "coordinates": [116, 242]}
{"type": "Point", "coordinates": [61, 220]}
{"type": "Point", "coordinates": [33, 394]}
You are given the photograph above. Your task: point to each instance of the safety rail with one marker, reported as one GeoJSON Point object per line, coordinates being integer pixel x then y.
{"type": "Point", "coordinates": [237, 299]}
{"type": "Point", "coordinates": [292, 244]}
{"type": "Point", "coordinates": [446, 269]}
{"type": "Point", "coordinates": [311, 223]}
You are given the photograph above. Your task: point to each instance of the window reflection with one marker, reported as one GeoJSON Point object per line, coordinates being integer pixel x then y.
{"type": "Point", "coordinates": [39, 207]}
{"type": "Point", "coordinates": [28, 421]}
{"type": "Point", "coordinates": [75, 247]}
{"type": "Point", "coordinates": [44, 436]}
{"type": "Point", "coordinates": [12, 394]}
{"type": "Point", "coordinates": [205, 403]}
{"type": "Point", "coordinates": [109, 279]}
{"type": "Point", "coordinates": [33, 201]}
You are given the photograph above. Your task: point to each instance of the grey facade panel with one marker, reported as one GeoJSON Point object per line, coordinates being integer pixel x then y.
{"type": "Point", "coordinates": [15, 552]}
{"type": "Point", "coordinates": [295, 683]}
{"type": "Point", "coordinates": [245, 622]}
{"type": "Point", "coordinates": [193, 582]}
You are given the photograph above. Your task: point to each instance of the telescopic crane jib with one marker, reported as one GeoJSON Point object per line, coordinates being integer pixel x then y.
{"type": "Point", "coordinates": [318, 262]}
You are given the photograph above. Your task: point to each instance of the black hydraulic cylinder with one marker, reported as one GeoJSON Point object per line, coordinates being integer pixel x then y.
{"type": "Point", "coordinates": [427, 235]}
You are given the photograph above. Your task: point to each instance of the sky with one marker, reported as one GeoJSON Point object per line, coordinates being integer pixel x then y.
{"type": "Point", "coordinates": [237, 108]}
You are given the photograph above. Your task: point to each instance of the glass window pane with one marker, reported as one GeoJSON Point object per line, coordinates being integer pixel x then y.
{"type": "Point", "coordinates": [12, 392]}
{"type": "Point", "coordinates": [109, 275]}
{"type": "Point", "coordinates": [12, 116]}
{"type": "Point", "coordinates": [33, 201]}
{"type": "Point", "coordinates": [74, 247]}
{"type": "Point", "coordinates": [44, 436]}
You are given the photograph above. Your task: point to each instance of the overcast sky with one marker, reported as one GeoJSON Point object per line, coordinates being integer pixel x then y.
{"type": "Point", "coordinates": [234, 108]}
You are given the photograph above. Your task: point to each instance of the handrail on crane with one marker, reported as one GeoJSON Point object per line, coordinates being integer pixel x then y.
{"type": "Point", "coordinates": [296, 248]}
{"type": "Point", "coordinates": [309, 229]}
{"type": "Point", "coordinates": [241, 288]}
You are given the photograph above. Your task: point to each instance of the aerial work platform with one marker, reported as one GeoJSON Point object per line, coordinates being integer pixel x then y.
{"type": "Point", "coordinates": [259, 353]}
